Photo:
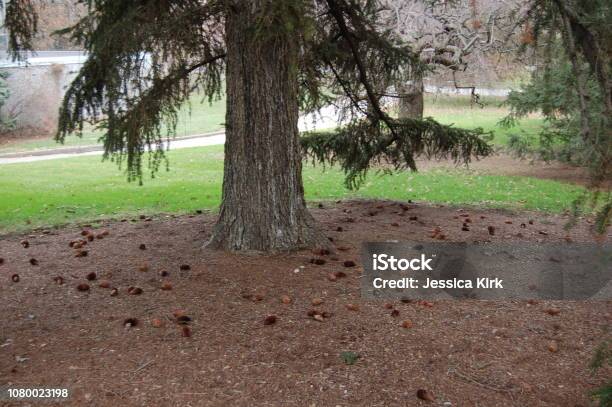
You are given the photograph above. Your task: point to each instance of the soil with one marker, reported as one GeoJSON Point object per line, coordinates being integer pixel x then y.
{"type": "Point", "coordinates": [464, 353]}
{"type": "Point", "coordinates": [504, 164]}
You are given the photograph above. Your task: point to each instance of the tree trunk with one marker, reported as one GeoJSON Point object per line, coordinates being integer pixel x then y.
{"type": "Point", "coordinates": [263, 207]}
{"type": "Point", "coordinates": [411, 100]}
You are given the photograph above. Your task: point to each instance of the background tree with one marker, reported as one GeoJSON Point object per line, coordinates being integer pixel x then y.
{"type": "Point", "coordinates": [274, 56]}
{"type": "Point", "coordinates": [572, 88]}
{"type": "Point", "coordinates": [448, 35]}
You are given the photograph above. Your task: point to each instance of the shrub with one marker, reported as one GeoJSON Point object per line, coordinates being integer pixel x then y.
{"type": "Point", "coordinates": [7, 120]}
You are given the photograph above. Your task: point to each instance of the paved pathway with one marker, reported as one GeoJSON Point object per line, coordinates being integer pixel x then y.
{"type": "Point", "coordinates": [325, 120]}
{"type": "Point", "coordinates": [54, 154]}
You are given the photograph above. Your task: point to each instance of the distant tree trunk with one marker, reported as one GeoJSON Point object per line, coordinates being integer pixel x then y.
{"type": "Point", "coordinates": [263, 207]}
{"type": "Point", "coordinates": [410, 104]}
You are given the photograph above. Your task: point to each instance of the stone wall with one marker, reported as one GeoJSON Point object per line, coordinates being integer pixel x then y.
{"type": "Point", "coordinates": [36, 94]}
{"type": "Point", "coordinates": [37, 90]}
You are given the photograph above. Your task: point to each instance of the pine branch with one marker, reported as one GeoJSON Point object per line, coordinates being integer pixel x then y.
{"type": "Point", "coordinates": [132, 131]}
{"type": "Point", "coordinates": [361, 145]}
{"type": "Point", "coordinates": [21, 21]}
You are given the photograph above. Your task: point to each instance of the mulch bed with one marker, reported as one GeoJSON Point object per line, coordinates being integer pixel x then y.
{"type": "Point", "coordinates": [225, 329]}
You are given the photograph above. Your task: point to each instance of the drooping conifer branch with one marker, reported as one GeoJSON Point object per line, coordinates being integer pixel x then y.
{"type": "Point", "coordinates": [372, 135]}
{"type": "Point", "coordinates": [22, 20]}
{"type": "Point", "coordinates": [144, 61]}
{"type": "Point", "coordinates": [360, 146]}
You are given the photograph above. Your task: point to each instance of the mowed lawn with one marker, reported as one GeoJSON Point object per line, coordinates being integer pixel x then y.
{"type": "Point", "coordinates": [459, 112]}
{"type": "Point", "coordinates": [85, 189]}
{"type": "Point", "coordinates": [197, 117]}
{"type": "Point", "coordinates": [200, 117]}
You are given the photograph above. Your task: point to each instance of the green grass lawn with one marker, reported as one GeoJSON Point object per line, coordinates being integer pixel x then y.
{"type": "Point", "coordinates": [198, 117]}
{"type": "Point", "coordinates": [83, 188]}
{"type": "Point", "coordinates": [458, 111]}
{"type": "Point", "coordinates": [201, 117]}
{"type": "Point", "coordinates": [63, 191]}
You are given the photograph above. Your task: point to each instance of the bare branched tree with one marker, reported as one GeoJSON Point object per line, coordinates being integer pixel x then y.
{"type": "Point", "coordinates": [444, 34]}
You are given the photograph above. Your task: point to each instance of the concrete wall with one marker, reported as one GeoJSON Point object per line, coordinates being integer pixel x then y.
{"type": "Point", "coordinates": [36, 93]}
{"type": "Point", "coordinates": [37, 89]}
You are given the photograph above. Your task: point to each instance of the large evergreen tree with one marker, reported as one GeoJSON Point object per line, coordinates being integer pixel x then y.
{"type": "Point", "coordinates": [572, 88]}
{"type": "Point", "coordinates": [275, 58]}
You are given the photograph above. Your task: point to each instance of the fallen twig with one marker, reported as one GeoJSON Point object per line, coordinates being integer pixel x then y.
{"type": "Point", "coordinates": [150, 362]}
{"type": "Point", "coordinates": [479, 383]}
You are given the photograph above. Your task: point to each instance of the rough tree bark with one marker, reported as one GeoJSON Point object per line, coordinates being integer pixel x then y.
{"type": "Point", "coordinates": [263, 207]}
{"type": "Point", "coordinates": [410, 103]}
